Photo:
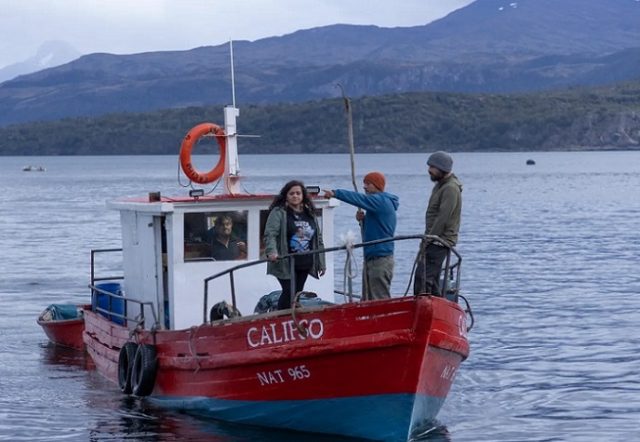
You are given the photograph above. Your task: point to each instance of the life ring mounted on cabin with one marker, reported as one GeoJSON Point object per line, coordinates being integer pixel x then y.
{"type": "Point", "coordinates": [190, 141]}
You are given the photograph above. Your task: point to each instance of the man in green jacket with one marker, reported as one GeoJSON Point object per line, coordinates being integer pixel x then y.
{"type": "Point", "coordinates": [442, 220]}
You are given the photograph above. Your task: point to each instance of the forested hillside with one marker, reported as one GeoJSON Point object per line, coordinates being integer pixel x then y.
{"type": "Point", "coordinates": [599, 118]}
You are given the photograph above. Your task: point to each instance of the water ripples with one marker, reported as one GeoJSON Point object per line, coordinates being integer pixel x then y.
{"type": "Point", "coordinates": [549, 265]}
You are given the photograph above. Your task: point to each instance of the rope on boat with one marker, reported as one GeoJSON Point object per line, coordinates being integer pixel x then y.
{"type": "Point", "coordinates": [350, 264]}
{"type": "Point", "coordinates": [419, 256]}
{"type": "Point", "coordinates": [139, 319]}
{"type": "Point", "coordinates": [192, 348]}
{"type": "Point", "coordinates": [301, 328]}
{"type": "Point", "coordinates": [468, 311]}
{"type": "Point", "coordinates": [190, 183]}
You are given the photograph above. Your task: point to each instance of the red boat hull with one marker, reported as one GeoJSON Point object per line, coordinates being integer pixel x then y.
{"type": "Point", "coordinates": [65, 332]}
{"type": "Point", "coordinates": [367, 356]}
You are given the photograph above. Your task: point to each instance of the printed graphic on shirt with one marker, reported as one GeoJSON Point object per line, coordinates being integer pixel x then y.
{"type": "Point", "coordinates": [301, 240]}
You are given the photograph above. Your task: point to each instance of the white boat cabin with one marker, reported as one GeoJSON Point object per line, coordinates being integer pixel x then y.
{"type": "Point", "coordinates": [168, 248]}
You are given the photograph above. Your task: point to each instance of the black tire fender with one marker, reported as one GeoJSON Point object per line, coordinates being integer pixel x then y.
{"type": "Point", "coordinates": [125, 366]}
{"type": "Point", "coordinates": [145, 367]}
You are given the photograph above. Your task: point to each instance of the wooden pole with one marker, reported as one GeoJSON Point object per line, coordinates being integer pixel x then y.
{"type": "Point", "coordinates": [352, 154]}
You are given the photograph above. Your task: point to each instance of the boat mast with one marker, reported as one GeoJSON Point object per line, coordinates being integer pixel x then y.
{"type": "Point", "coordinates": [232, 166]}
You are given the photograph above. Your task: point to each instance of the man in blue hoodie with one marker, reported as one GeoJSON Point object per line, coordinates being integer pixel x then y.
{"type": "Point", "coordinates": [379, 222]}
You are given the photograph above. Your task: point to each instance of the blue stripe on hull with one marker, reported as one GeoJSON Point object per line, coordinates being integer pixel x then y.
{"type": "Point", "coordinates": [389, 417]}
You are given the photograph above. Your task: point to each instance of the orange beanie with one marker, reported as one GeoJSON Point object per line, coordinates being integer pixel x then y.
{"type": "Point", "coordinates": [375, 178]}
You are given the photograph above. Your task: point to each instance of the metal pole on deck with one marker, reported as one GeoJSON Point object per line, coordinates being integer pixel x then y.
{"type": "Point", "coordinates": [233, 81]}
{"type": "Point", "coordinates": [232, 165]}
{"type": "Point", "coordinates": [292, 281]}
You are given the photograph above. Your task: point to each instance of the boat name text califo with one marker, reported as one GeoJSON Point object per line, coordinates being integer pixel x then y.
{"type": "Point", "coordinates": [286, 331]}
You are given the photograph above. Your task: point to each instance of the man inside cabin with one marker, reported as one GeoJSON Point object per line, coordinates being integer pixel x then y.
{"type": "Point", "coordinates": [225, 246]}
{"type": "Point", "coordinates": [442, 219]}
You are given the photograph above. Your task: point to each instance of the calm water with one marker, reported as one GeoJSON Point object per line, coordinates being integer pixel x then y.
{"type": "Point", "coordinates": [550, 267]}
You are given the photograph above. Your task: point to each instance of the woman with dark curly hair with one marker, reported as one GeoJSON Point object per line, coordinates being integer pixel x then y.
{"type": "Point", "coordinates": [292, 227]}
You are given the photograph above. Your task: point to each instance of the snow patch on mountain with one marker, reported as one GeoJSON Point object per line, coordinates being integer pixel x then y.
{"type": "Point", "coordinates": [50, 54]}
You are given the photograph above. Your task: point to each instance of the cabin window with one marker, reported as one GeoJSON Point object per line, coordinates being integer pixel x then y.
{"type": "Point", "coordinates": [215, 236]}
{"type": "Point", "coordinates": [264, 214]}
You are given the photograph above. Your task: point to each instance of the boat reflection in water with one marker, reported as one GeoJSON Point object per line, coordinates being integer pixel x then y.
{"type": "Point", "coordinates": [57, 355]}
{"type": "Point", "coordinates": [138, 419]}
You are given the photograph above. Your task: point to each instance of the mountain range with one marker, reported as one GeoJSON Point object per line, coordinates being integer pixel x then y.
{"type": "Point", "coordinates": [49, 54]}
{"type": "Point", "coordinates": [492, 46]}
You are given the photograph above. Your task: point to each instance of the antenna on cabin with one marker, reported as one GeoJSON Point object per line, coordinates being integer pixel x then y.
{"type": "Point", "coordinates": [233, 81]}
{"type": "Point", "coordinates": [232, 165]}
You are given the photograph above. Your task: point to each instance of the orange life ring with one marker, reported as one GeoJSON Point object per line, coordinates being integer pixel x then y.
{"type": "Point", "coordinates": [190, 140]}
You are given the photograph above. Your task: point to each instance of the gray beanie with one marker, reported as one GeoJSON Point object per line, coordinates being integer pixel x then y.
{"type": "Point", "coordinates": [441, 160]}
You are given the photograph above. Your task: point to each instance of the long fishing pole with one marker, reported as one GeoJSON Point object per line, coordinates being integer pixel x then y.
{"type": "Point", "coordinates": [352, 153]}
{"type": "Point", "coordinates": [347, 109]}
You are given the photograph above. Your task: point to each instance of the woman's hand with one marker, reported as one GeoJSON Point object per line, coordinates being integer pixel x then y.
{"type": "Point", "coordinates": [272, 257]}
{"type": "Point", "coordinates": [321, 272]}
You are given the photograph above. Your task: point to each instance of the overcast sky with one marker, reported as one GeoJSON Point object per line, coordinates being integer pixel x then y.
{"type": "Point", "coordinates": [131, 26]}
